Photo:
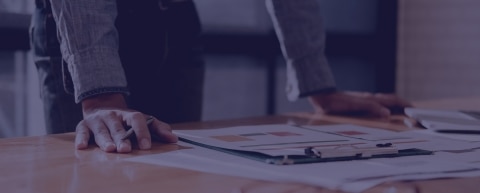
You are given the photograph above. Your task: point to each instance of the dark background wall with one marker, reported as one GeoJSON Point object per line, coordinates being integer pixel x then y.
{"type": "Point", "coordinates": [245, 70]}
{"type": "Point", "coordinates": [252, 71]}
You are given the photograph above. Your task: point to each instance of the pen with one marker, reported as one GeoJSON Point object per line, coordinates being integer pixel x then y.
{"type": "Point", "coordinates": [130, 129]}
{"type": "Point", "coordinates": [453, 131]}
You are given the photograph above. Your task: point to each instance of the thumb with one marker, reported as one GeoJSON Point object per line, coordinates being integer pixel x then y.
{"type": "Point", "coordinates": [163, 132]}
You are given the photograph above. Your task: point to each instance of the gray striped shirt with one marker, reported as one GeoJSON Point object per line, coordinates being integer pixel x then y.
{"type": "Point", "coordinates": [89, 44]}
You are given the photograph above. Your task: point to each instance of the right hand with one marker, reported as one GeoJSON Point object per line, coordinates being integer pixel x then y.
{"type": "Point", "coordinates": [106, 116]}
{"type": "Point", "coordinates": [361, 103]}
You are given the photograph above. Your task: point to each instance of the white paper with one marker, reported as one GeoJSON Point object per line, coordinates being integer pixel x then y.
{"type": "Point", "coordinates": [458, 137]}
{"type": "Point", "coordinates": [436, 120]}
{"type": "Point", "coordinates": [359, 132]}
{"type": "Point", "coordinates": [420, 139]}
{"type": "Point", "coordinates": [350, 176]}
{"type": "Point", "coordinates": [452, 158]}
{"type": "Point", "coordinates": [269, 139]}
{"type": "Point", "coordinates": [210, 161]}
{"type": "Point", "coordinates": [353, 186]}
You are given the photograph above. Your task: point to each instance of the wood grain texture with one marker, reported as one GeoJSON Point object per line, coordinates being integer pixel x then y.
{"type": "Point", "coordinates": [49, 164]}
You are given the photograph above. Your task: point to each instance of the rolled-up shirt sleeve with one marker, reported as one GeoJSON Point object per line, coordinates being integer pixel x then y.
{"type": "Point", "coordinates": [89, 44]}
{"type": "Point", "coordinates": [298, 24]}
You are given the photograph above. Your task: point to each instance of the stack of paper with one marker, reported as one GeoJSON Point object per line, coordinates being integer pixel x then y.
{"type": "Point", "coordinates": [461, 125]}
{"type": "Point", "coordinates": [451, 159]}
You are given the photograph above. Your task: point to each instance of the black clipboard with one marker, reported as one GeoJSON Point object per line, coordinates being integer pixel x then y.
{"type": "Point", "coordinates": [314, 156]}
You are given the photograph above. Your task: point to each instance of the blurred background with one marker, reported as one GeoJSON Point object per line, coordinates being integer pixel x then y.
{"type": "Point", "coordinates": [420, 49]}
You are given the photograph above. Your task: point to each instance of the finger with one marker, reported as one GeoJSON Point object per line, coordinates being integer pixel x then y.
{"type": "Point", "coordinates": [390, 100]}
{"type": "Point", "coordinates": [117, 131]}
{"type": "Point", "coordinates": [102, 136]}
{"type": "Point", "coordinates": [138, 123]}
{"type": "Point", "coordinates": [358, 106]}
{"type": "Point", "coordinates": [359, 94]}
{"type": "Point", "coordinates": [163, 131]}
{"type": "Point", "coordinates": [82, 135]}
{"type": "Point", "coordinates": [373, 108]}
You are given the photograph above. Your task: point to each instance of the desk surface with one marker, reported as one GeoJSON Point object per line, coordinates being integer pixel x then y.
{"type": "Point", "coordinates": [50, 164]}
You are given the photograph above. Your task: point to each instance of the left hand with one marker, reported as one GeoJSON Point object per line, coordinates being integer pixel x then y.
{"type": "Point", "coordinates": [376, 105]}
{"type": "Point", "coordinates": [105, 117]}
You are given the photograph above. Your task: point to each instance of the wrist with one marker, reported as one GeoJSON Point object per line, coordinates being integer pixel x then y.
{"type": "Point", "coordinates": [103, 101]}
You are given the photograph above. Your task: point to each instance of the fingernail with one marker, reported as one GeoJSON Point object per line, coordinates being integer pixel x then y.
{"type": "Point", "coordinates": [124, 148]}
{"type": "Point", "coordinates": [81, 145]}
{"type": "Point", "coordinates": [109, 147]}
{"type": "Point", "coordinates": [145, 144]}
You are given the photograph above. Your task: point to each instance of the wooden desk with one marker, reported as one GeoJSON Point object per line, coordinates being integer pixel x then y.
{"type": "Point", "coordinates": [49, 164]}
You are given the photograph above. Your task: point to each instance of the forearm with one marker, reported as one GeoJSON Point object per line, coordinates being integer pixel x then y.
{"type": "Point", "coordinates": [299, 28]}
{"type": "Point", "coordinates": [89, 44]}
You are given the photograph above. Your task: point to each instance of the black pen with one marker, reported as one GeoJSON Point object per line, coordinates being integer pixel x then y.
{"type": "Point", "coordinates": [130, 129]}
{"type": "Point", "coordinates": [453, 131]}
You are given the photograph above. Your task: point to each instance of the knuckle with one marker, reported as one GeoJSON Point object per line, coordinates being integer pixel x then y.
{"type": "Point", "coordinates": [135, 115]}
{"type": "Point", "coordinates": [91, 118]}
{"type": "Point", "coordinates": [103, 132]}
{"type": "Point", "coordinates": [81, 127]}
{"type": "Point", "coordinates": [117, 129]}
{"type": "Point", "coordinates": [81, 124]}
{"type": "Point", "coordinates": [110, 114]}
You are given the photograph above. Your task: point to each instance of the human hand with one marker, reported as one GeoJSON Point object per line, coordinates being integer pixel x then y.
{"type": "Point", "coordinates": [376, 105]}
{"type": "Point", "coordinates": [106, 116]}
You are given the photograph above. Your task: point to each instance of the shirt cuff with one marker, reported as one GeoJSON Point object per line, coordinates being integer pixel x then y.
{"type": "Point", "coordinates": [99, 91]}
{"type": "Point", "coordinates": [96, 70]}
{"type": "Point", "coordinates": [308, 75]}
